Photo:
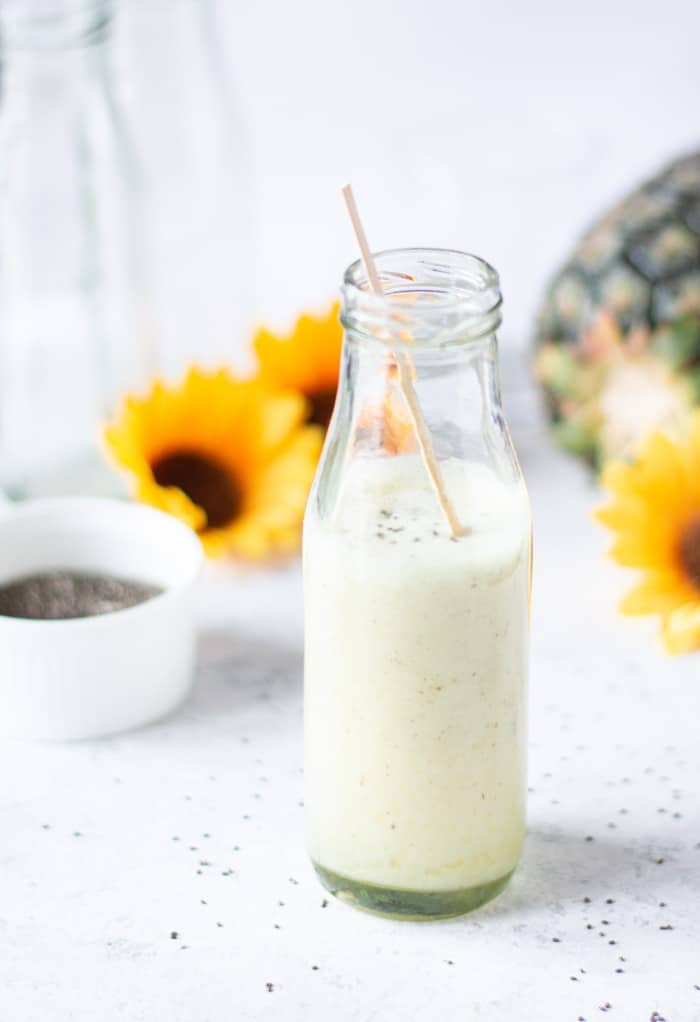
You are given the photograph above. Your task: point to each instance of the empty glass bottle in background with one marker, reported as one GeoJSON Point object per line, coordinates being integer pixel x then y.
{"type": "Point", "coordinates": [73, 306]}
{"type": "Point", "coordinates": [180, 97]}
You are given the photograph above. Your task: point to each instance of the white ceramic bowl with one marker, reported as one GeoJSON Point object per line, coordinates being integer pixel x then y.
{"type": "Point", "coordinates": [84, 677]}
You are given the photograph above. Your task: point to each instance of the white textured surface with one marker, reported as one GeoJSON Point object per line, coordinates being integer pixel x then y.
{"type": "Point", "coordinates": [194, 827]}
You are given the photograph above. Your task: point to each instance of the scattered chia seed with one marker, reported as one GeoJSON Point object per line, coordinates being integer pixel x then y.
{"type": "Point", "coordinates": [666, 927]}
{"type": "Point", "coordinates": [587, 900]}
{"type": "Point", "coordinates": [324, 903]}
{"type": "Point", "coordinates": [269, 987]}
{"type": "Point", "coordinates": [174, 934]}
{"type": "Point", "coordinates": [62, 595]}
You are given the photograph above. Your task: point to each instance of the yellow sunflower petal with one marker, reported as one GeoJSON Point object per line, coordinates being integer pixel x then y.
{"type": "Point", "coordinates": [637, 550]}
{"type": "Point", "coordinates": [680, 630]}
{"type": "Point", "coordinates": [173, 501]}
{"type": "Point", "coordinates": [248, 538]}
{"type": "Point", "coordinates": [279, 496]}
{"type": "Point", "coordinates": [658, 593]}
{"type": "Point", "coordinates": [305, 360]}
{"type": "Point", "coordinates": [654, 515]}
{"type": "Point", "coordinates": [618, 477]}
{"type": "Point", "coordinates": [282, 414]}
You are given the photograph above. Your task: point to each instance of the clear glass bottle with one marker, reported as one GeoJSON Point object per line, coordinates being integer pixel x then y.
{"type": "Point", "coordinates": [416, 639]}
{"type": "Point", "coordinates": [180, 94]}
{"type": "Point", "coordinates": [73, 312]}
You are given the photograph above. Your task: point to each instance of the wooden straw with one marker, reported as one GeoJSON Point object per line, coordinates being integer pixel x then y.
{"type": "Point", "coordinates": [403, 364]}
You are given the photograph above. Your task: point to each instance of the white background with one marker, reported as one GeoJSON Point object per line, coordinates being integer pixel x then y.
{"type": "Point", "coordinates": [498, 127]}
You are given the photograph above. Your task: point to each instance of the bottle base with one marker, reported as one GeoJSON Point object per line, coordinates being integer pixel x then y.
{"type": "Point", "coordinates": [399, 903]}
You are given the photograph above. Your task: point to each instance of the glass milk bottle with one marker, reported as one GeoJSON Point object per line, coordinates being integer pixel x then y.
{"type": "Point", "coordinates": [416, 632]}
{"type": "Point", "coordinates": [74, 323]}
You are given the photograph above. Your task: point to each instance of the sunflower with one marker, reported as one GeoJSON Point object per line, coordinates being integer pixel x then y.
{"type": "Point", "coordinates": [307, 361]}
{"type": "Point", "coordinates": [228, 457]}
{"type": "Point", "coordinates": [655, 513]}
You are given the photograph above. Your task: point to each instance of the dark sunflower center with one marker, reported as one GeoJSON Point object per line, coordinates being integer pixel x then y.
{"type": "Point", "coordinates": [206, 482]}
{"type": "Point", "coordinates": [689, 552]}
{"type": "Point", "coordinates": [322, 406]}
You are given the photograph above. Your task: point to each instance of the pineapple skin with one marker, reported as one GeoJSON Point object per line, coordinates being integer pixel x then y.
{"type": "Point", "coordinates": [617, 337]}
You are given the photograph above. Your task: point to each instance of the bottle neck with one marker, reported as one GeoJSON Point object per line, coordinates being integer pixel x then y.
{"type": "Point", "coordinates": [458, 388]}
{"type": "Point", "coordinates": [52, 27]}
{"type": "Point", "coordinates": [52, 59]}
{"type": "Point", "coordinates": [46, 40]}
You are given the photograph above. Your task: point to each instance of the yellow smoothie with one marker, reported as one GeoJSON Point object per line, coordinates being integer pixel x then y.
{"type": "Point", "coordinates": [415, 678]}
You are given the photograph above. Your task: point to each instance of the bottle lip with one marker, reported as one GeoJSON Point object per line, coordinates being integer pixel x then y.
{"type": "Point", "coordinates": [438, 296]}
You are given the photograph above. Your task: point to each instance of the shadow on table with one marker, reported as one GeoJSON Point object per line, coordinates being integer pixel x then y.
{"type": "Point", "coordinates": [561, 868]}
{"type": "Point", "coordinates": [235, 673]}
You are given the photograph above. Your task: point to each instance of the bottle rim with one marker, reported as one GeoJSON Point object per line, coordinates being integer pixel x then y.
{"type": "Point", "coordinates": [433, 297]}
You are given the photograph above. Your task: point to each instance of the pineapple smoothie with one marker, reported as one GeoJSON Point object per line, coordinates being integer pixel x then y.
{"type": "Point", "coordinates": [415, 680]}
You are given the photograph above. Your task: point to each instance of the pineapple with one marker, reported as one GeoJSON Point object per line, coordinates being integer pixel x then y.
{"type": "Point", "coordinates": [618, 333]}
